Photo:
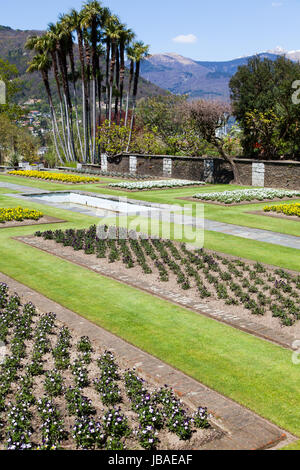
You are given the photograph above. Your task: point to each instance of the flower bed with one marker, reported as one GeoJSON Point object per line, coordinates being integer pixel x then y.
{"type": "Point", "coordinates": [159, 184]}
{"type": "Point", "coordinates": [57, 391]}
{"type": "Point", "coordinates": [235, 197]}
{"type": "Point", "coordinates": [49, 176]}
{"type": "Point", "coordinates": [286, 209]}
{"type": "Point", "coordinates": [18, 214]}
{"type": "Point", "coordinates": [255, 288]}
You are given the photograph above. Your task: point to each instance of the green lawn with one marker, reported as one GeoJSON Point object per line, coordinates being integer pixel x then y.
{"type": "Point", "coordinates": [233, 215]}
{"type": "Point", "coordinates": [284, 257]}
{"type": "Point", "coordinates": [294, 446]}
{"type": "Point", "coordinates": [257, 374]}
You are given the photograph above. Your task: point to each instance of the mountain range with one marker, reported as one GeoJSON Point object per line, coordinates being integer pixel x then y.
{"type": "Point", "coordinates": [199, 79]}
{"type": "Point", "coordinates": [12, 49]}
{"type": "Point", "coordinates": [161, 73]}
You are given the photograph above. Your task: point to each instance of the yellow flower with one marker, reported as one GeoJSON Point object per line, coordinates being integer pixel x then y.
{"type": "Point", "coordinates": [19, 214]}
{"type": "Point", "coordinates": [286, 209]}
{"type": "Point", "coordinates": [49, 176]}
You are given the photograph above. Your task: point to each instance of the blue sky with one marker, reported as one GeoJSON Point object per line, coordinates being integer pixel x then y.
{"type": "Point", "coordinates": [200, 29]}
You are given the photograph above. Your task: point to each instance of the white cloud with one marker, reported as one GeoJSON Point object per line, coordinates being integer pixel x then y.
{"type": "Point", "coordinates": [185, 39]}
{"type": "Point", "coordinates": [277, 4]}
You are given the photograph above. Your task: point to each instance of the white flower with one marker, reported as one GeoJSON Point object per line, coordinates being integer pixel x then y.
{"type": "Point", "coordinates": [156, 184]}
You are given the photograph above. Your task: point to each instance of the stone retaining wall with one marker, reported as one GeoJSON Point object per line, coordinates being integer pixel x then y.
{"type": "Point", "coordinates": [276, 174]}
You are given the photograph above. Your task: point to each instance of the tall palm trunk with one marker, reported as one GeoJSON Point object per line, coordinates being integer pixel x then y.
{"type": "Point", "coordinates": [89, 109]}
{"type": "Point", "coordinates": [131, 73]}
{"type": "Point", "coordinates": [108, 47]}
{"type": "Point", "coordinates": [64, 144]}
{"type": "Point", "coordinates": [72, 62]}
{"type": "Point", "coordinates": [135, 90]}
{"type": "Point", "coordinates": [112, 76]}
{"type": "Point", "coordinates": [53, 114]}
{"type": "Point", "coordinates": [94, 90]}
{"type": "Point", "coordinates": [117, 82]}
{"type": "Point", "coordinates": [99, 84]}
{"type": "Point", "coordinates": [84, 91]}
{"type": "Point", "coordinates": [67, 99]}
{"type": "Point", "coordinates": [122, 75]}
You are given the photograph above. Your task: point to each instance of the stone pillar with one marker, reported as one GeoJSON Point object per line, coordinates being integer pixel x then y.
{"type": "Point", "coordinates": [167, 167]}
{"type": "Point", "coordinates": [258, 174]}
{"type": "Point", "coordinates": [209, 167]}
{"type": "Point", "coordinates": [104, 166]}
{"type": "Point", "coordinates": [132, 165]}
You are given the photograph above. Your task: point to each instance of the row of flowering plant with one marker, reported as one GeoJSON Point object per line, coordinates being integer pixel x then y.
{"type": "Point", "coordinates": [244, 195]}
{"type": "Point", "coordinates": [159, 184]}
{"type": "Point", "coordinates": [50, 176]}
{"type": "Point", "coordinates": [256, 288]}
{"type": "Point", "coordinates": [48, 408]}
{"type": "Point", "coordinates": [18, 214]}
{"type": "Point", "coordinates": [286, 209]}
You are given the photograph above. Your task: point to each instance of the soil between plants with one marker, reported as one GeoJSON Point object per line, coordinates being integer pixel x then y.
{"type": "Point", "coordinates": [42, 221]}
{"type": "Point", "coordinates": [118, 188]}
{"type": "Point", "coordinates": [168, 440]}
{"type": "Point", "coordinates": [150, 281]}
{"type": "Point", "coordinates": [276, 215]}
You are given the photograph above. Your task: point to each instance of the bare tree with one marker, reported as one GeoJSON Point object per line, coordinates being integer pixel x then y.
{"type": "Point", "coordinates": [208, 118]}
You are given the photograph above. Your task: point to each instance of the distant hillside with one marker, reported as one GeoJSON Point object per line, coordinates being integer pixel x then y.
{"type": "Point", "coordinates": [181, 75]}
{"type": "Point", "coordinates": [12, 49]}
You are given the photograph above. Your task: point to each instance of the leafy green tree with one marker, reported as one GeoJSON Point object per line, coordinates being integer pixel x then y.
{"type": "Point", "coordinates": [113, 138]}
{"type": "Point", "coordinates": [266, 86]}
{"type": "Point", "coordinates": [15, 142]}
{"type": "Point", "coordinates": [207, 118]}
{"type": "Point", "coordinates": [265, 129]}
{"type": "Point", "coordinates": [9, 75]}
{"type": "Point", "coordinates": [163, 112]}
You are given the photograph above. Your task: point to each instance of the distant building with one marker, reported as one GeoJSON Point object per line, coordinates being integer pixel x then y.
{"type": "Point", "coordinates": [42, 151]}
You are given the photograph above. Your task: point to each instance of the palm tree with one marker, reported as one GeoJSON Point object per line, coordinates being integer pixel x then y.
{"type": "Point", "coordinates": [93, 18]}
{"type": "Point", "coordinates": [60, 39]}
{"type": "Point", "coordinates": [49, 45]}
{"type": "Point", "coordinates": [44, 44]}
{"type": "Point", "coordinates": [140, 52]}
{"type": "Point", "coordinates": [74, 24]}
{"type": "Point", "coordinates": [67, 25]}
{"type": "Point", "coordinates": [113, 30]}
{"type": "Point", "coordinates": [42, 63]}
{"type": "Point", "coordinates": [131, 57]}
{"type": "Point", "coordinates": [94, 27]}
{"type": "Point", "coordinates": [126, 37]}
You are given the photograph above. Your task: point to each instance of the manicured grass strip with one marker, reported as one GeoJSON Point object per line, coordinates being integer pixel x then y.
{"type": "Point", "coordinates": [50, 186]}
{"type": "Point", "coordinates": [284, 257]}
{"type": "Point", "coordinates": [7, 191]}
{"type": "Point", "coordinates": [233, 215]}
{"type": "Point", "coordinates": [253, 372]}
{"type": "Point", "coordinates": [294, 446]}
{"type": "Point", "coordinates": [267, 253]}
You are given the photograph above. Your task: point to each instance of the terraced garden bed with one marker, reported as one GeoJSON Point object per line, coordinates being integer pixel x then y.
{"type": "Point", "coordinates": [155, 184]}
{"type": "Point", "coordinates": [59, 390]}
{"type": "Point", "coordinates": [272, 295]}
{"type": "Point", "coordinates": [18, 217]}
{"type": "Point", "coordinates": [57, 177]}
{"type": "Point", "coordinates": [246, 196]}
{"type": "Point", "coordinates": [18, 214]}
{"type": "Point", "coordinates": [285, 209]}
